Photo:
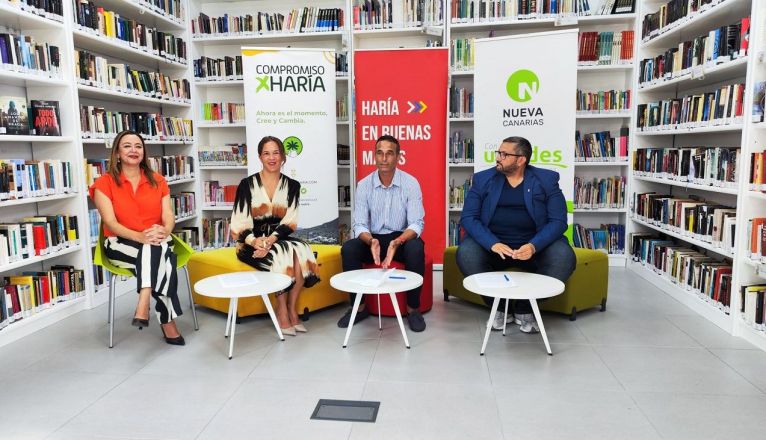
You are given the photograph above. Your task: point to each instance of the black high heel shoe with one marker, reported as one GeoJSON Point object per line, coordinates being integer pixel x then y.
{"type": "Point", "coordinates": [140, 323]}
{"type": "Point", "coordinates": [178, 340]}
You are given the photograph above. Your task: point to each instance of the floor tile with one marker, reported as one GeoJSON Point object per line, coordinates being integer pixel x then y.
{"type": "Point", "coordinates": [673, 370]}
{"type": "Point", "coordinates": [281, 409]}
{"type": "Point", "coordinates": [707, 335]}
{"type": "Point", "coordinates": [751, 364]}
{"type": "Point", "coordinates": [430, 411]}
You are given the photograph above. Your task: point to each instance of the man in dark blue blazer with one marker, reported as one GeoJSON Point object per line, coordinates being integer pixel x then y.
{"type": "Point", "coordinates": [515, 215]}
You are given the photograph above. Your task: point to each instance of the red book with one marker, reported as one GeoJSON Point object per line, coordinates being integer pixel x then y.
{"type": "Point", "coordinates": [39, 235]}
{"type": "Point", "coordinates": [717, 284]}
{"type": "Point", "coordinates": [229, 193]}
{"type": "Point", "coordinates": [744, 36]}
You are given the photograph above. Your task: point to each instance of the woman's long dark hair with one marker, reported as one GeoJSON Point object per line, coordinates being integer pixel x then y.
{"type": "Point", "coordinates": [115, 167]}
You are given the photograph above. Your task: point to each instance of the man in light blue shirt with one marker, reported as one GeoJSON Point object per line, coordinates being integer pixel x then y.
{"type": "Point", "coordinates": [388, 222]}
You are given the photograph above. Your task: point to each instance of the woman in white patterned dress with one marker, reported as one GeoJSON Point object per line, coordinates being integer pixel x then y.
{"type": "Point", "coordinates": [265, 215]}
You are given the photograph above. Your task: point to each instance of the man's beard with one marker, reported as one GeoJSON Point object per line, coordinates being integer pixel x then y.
{"type": "Point", "coordinates": [510, 169]}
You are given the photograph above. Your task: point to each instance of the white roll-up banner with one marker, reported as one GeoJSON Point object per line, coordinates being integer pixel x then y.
{"type": "Point", "coordinates": [526, 85]}
{"type": "Point", "coordinates": [290, 94]}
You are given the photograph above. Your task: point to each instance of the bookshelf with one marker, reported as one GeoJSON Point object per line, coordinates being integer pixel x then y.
{"type": "Point", "coordinates": [735, 133]}
{"type": "Point", "coordinates": [590, 77]}
{"type": "Point", "coordinates": [38, 84]}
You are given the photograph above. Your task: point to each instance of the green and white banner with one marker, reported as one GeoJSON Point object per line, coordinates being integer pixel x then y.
{"type": "Point", "coordinates": [290, 94]}
{"type": "Point", "coordinates": [526, 85]}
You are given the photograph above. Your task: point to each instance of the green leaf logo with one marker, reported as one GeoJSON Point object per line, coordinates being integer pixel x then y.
{"type": "Point", "coordinates": [293, 146]}
{"type": "Point", "coordinates": [522, 85]}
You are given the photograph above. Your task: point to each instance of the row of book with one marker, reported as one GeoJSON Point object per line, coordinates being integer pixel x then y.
{"type": "Point", "coordinates": [344, 154]}
{"type": "Point", "coordinates": [457, 193]}
{"type": "Point", "coordinates": [671, 14]}
{"type": "Point", "coordinates": [95, 70]}
{"type": "Point", "coordinates": [23, 295]}
{"type": "Point", "coordinates": [216, 233]}
{"type": "Point", "coordinates": [229, 68]}
{"type": "Point", "coordinates": [460, 148]}
{"type": "Point", "coordinates": [687, 268]}
{"type": "Point", "coordinates": [599, 193]}
{"type": "Point", "coordinates": [462, 53]}
{"type": "Point", "coordinates": [690, 217]}
{"type": "Point", "coordinates": [94, 19]}
{"type": "Point", "coordinates": [601, 146]}
{"type": "Point", "coordinates": [460, 102]}
{"type": "Point", "coordinates": [189, 235]}
{"type": "Point", "coordinates": [716, 166]}
{"type": "Point", "coordinates": [183, 205]}
{"type": "Point", "coordinates": [603, 101]}
{"type": "Point", "coordinates": [757, 180]}
{"type": "Point", "coordinates": [341, 108]}
{"type": "Point", "coordinates": [454, 232]}
{"type": "Point", "coordinates": [753, 306]}
{"type": "Point", "coordinates": [171, 9]}
{"type": "Point", "coordinates": [720, 45]}
{"type": "Point", "coordinates": [720, 107]}
{"type": "Point", "coordinates": [34, 236]}
{"type": "Point", "coordinates": [223, 112]}
{"type": "Point", "coordinates": [306, 19]}
{"type": "Point", "coordinates": [99, 123]}
{"type": "Point", "coordinates": [41, 119]}
{"type": "Point", "coordinates": [51, 9]}
{"type": "Point", "coordinates": [469, 11]}
{"type": "Point", "coordinates": [344, 196]}
{"type": "Point", "coordinates": [386, 14]}
{"type": "Point", "coordinates": [605, 48]}
{"type": "Point", "coordinates": [756, 239]}
{"type": "Point", "coordinates": [101, 277]}
{"type": "Point", "coordinates": [173, 167]}
{"type": "Point", "coordinates": [21, 53]}
{"type": "Point", "coordinates": [609, 238]}
{"type": "Point", "coordinates": [217, 194]}
{"type": "Point", "coordinates": [23, 178]}
{"type": "Point", "coordinates": [94, 223]}
{"type": "Point", "coordinates": [230, 154]}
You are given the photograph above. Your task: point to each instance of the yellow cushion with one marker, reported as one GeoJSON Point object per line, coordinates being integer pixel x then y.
{"type": "Point", "coordinates": [219, 261]}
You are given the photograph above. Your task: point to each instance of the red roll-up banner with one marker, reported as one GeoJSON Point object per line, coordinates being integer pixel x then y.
{"type": "Point", "coordinates": [403, 93]}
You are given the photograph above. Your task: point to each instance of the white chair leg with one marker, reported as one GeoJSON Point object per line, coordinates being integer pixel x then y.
{"type": "Point", "coordinates": [191, 298]}
{"type": "Point", "coordinates": [109, 306]}
{"type": "Point", "coordinates": [112, 289]}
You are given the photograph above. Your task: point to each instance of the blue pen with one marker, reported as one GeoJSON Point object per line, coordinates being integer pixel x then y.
{"type": "Point", "coordinates": [397, 278]}
{"type": "Point", "coordinates": [506, 277]}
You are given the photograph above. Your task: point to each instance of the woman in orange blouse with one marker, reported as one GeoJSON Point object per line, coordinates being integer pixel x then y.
{"type": "Point", "coordinates": [134, 203]}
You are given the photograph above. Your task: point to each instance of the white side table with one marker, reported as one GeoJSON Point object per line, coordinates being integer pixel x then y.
{"type": "Point", "coordinates": [237, 285]}
{"type": "Point", "coordinates": [529, 286]}
{"type": "Point", "coordinates": [397, 281]}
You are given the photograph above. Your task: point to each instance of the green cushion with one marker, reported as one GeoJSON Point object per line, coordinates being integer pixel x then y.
{"type": "Point", "coordinates": [587, 287]}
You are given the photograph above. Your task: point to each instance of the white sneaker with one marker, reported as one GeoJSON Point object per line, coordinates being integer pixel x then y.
{"type": "Point", "coordinates": [500, 319]}
{"type": "Point", "coordinates": [527, 323]}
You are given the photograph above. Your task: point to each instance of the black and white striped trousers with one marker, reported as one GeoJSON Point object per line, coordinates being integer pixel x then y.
{"type": "Point", "coordinates": [154, 267]}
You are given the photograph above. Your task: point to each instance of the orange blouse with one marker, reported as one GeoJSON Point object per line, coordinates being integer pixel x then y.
{"type": "Point", "coordinates": [137, 211]}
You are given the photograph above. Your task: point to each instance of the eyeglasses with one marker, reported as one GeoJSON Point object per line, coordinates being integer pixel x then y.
{"type": "Point", "coordinates": [502, 154]}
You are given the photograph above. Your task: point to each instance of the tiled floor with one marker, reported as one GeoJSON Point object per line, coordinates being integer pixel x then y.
{"type": "Point", "coordinates": [648, 368]}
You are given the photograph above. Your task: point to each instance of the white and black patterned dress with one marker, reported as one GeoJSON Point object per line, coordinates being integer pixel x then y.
{"type": "Point", "coordinates": [254, 214]}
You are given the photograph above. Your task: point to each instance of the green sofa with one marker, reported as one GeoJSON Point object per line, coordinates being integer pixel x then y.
{"type": "Point", "coordinates": [586, 288]}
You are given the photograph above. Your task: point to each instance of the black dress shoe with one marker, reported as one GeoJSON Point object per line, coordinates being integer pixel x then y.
{"type": "Point", "coordinates": [178, 340]}
{"type": "Point", "coordinates": [416, 321]}
{"type": "Point", "coordinates": [140, 323]}
{"type": "Point", "coordinates": [360, 315]}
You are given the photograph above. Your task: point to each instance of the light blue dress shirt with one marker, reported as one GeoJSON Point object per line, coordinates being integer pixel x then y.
{"type": "Point", "coordinates": [382, 210]}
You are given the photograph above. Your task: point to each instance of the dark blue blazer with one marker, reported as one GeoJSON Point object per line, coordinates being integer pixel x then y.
{"type": "Point", "coordinates": [542, 195]}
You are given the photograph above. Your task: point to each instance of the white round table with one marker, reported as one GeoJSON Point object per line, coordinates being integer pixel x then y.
{"type": "Point", "coordinates": [521, 285]}
{"type": "Point", "coordinates": [396, 281]}
{"type": "Point", "coordinates": [237, 285]}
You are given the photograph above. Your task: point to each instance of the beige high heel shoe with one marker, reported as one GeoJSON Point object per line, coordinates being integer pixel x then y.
{"type": "Point", "coordinates": [289, 331]}
{"type": "Point", "coordinates": [300, 328]}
